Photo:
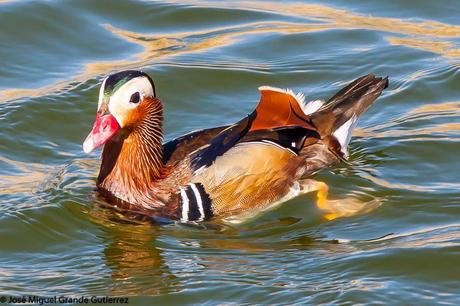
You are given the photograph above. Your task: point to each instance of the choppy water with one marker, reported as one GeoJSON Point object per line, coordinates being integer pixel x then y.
{"type": "Point", "coordinates": [207, 59]}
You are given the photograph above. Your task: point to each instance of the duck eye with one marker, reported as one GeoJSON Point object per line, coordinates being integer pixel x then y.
{"type": "Point", "coordinates": [135, 98]}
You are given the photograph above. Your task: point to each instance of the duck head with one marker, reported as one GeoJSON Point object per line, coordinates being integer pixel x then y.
{"type": "Point", "coordinates": [128, 123]}
{"type": "Point", "coordinates": [126, 100]}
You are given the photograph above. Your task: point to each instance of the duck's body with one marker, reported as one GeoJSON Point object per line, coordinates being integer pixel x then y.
{"type": "Point", "coordinates": [226, 171]}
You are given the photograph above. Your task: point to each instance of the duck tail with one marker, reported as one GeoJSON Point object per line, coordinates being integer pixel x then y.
{"type": "Point", "coordinates": [336, 119]}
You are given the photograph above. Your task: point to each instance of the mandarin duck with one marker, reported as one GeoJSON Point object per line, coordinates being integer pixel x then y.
{"type": "Point", "coordinates": [226, 172]}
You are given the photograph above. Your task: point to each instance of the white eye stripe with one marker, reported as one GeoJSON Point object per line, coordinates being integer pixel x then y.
{"type": "Point", "coordinates": [119, 103]}
{"type": "Point", "coordinates": [123, 94]}
{"type": "Point", "coordinates": [101, 94]}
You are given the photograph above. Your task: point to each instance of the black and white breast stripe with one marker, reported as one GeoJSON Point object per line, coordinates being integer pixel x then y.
{"type": "Point", "coordinates": [195, 203]}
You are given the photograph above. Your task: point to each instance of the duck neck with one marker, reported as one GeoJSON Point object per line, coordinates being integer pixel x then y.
{"type": "Point", "coordinates": [132, 161]}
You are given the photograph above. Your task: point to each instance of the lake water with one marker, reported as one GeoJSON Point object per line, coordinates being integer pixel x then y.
{"type": "Point", "coordinates": [207, 59]}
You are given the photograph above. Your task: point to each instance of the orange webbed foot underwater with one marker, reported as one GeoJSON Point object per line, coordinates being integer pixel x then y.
{"type": "Point", "coordinates": [336, 208]}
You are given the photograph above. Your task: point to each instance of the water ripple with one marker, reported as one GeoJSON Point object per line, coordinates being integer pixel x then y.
{"type": "Point", "coordinates": [161, 46]}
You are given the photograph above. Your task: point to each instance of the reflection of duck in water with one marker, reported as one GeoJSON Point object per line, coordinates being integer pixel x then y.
{"type": "Point", "coordinates": [222, 172]}
{"type": "Point", "coordinates": [138, 266]}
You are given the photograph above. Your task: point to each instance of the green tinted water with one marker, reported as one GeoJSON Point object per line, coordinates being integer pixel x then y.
{"type": "Point", "coordinates": [207, 60]}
